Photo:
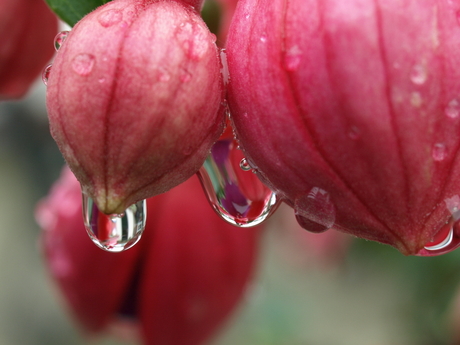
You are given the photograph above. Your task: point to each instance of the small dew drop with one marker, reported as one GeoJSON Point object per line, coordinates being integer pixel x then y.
{"type": "Point", "coordinates": [224, 67]}
{"type": "Point", "coordinates": [244, 164]}
{"type": "Point", "coordinates": [354, 133]}
{"type": "Point", "coordinates": [185, 77]}
{"type": "Point", "coordinates": [164, 76]}
{"type": "Point", "coordinates": [416, 99]}
{"type": "Point", "coordinates": [83, 64]}
{"type": "Point", "coordinates": [116, 232]}
{"type": "Point", "coordinates": [452, 109]}
{"type": "Point", "coordinates": [263, 39]}
{"type": "Point", "coordinates": [110, 17]}
{"type": "Point", "coordinates": [418, 75]}
{"type": "Point", "coordinates": [292, 58]}
{"type": "Point", "coordinates": [439, 152]}
{"type": "Point", "coordinates": [59, 39]}
{"type": "Point", "coordinates": [46, 74]}
{"type": "Point", "coordinates": [101, 80]}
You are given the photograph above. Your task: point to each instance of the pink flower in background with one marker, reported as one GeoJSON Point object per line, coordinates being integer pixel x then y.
{"type": "Point", "coordinates": [350, 111]}
{"type": "Point", "coordinates": [177, 285]}
{"type": "Point", "coordinates": [135, 99]}
{"type": "Point", "coordinates": [27, 30]}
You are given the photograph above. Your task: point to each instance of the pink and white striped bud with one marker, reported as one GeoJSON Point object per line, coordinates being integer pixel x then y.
{"type": "Point", "coordinates": [134, 99]}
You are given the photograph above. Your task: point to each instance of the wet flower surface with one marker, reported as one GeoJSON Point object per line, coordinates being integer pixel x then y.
{"type": "Point", "coordinates": [349, 111]}
{"type": "Point", "coordinates": [27, 29]}
{"type": "Point", "coordinates": [134, 98]}
{"type": "Point", "coordinates": [177, 285]}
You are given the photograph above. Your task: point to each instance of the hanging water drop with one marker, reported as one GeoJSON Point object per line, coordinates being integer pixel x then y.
{"type": "Point", "coordinates": [236, 195]}
{"type": "Point", "coordinates": [59, 39]}
{"type": "Point", "coordinates": [244, 164]}
{"type": "Point", "coordinates": [46, 74]}
{"type": "Point", "coordinates": [116, 232]}
{"type": "Point", "coordinates": [445, 241]}
{"type": "Point", "coordinates": [315, 211]}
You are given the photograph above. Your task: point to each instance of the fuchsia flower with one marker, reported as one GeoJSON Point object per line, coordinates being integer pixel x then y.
{"type": "Point", "coordinates": [134, 99]}
{"type": "Point", "coordinates": [350, 111]}
{"type": "Point", "coordinates": [27, 30]}
{"type": "Point", "coordinates": [178, 284]}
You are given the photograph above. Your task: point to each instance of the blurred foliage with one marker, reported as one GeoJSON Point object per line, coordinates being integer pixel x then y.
{"type": "Point", "coordinates": [71, 11]}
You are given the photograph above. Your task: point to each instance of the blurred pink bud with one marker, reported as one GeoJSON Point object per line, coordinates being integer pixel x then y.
{"type": "Point", "coordinates": [176, 286]}
{"type": "Point", "coordinates": [134, 99]}
{"type": "Point", "coordinates": [27, 30]}
{"type": "Point", "coordinates": [350, 111]}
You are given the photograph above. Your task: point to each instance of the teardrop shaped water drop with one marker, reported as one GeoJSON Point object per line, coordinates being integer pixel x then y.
{"type": "Point", "coordinates": [445, 241]}
{"type": "Point", "coordinates": [236, 195]}
{"type": "Point", "coordinates": [315, 211]}
{"type": "Point", "coordinates": [59, 39]}
{"type": "Point", "coordinates": [46, 74]}
{"type": "Point", "coordinates": [116, 232]}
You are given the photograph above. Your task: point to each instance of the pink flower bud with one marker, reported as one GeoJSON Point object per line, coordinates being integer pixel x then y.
{"type": "Point", "coordinates": [351, 112]}
{"type": "Point", "coordinates": [27, 30]}
{"type": "Point", "coordinates": [177, 286]}
{"type": "Point", "coordinates": [134, 99]}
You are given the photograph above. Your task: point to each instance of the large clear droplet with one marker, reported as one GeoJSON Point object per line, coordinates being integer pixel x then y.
{"type": "Point", "coordinates": [116, 232]}
{"type": "Point", "coordinates": [236, 194]}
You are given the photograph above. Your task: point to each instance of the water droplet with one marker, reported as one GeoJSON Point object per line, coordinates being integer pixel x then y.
{"type": "Point", "coordinates": [292, 58]}
{"type": "Point", "coordinates": [354, 133]}
{"type": "Point", "coordinates": [263, 39]}
{"type": "Point", "coordinates": [117, 232]}
{"type": "Point", "coordinates": [418, 75]}
{"type": "Point", "coordinates": [101, 80]}
{"type": "Point", "coordinates": [452, 109]}
{"type": "Point", "coordinates": [315, 211]}
{"type": "Point", "coordinates": [82, 64]}
{"type": "Point", "coordinates": [445, 241]}
{"type": "Point", "coordinates": [185, 77]}
{"type": "Point", "coordinates": [59, 39]}
{"type": "Point", "coordinates": [244, 164]}
{"type": "Point", "coordinates": [164, 76]}
{"type": "Point", "coordinates": [224, 67]}
{"type": "Point", "coordinates": [439, 152]}
{"type": "Point", "coordinates": [416, 99]}
{"type": "Point", "coordinates": [46, 74]}
{"type": "Point", "coordinates": [238, 197]}
{"type": "Point", "coordinates": [110, 17]}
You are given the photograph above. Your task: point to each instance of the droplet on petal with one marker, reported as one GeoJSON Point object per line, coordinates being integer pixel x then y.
{"type": "Point", "coordinates": [439, 152]}
{"type": "Point", "coordinates": [452, 109]}
{"type": "Point", "coordinates": [418, 75]}
{"type": "Point", "coordinates": [110, 17]}
{"type": "Point", "coordinates": [292, 58]}
{"type": "Point", "coordinates": [116, 232]}
{"type": "Point", "coordinates": [82, 64]}
{"type": "Point", "coordinates": [46, 74]}
{"type": "Point", "coordinates": [244, 164]}
{"type": "Point", "coordinates": [59, 39]}
{"type": "Point", "coordinates": [315, 211]}
{"type": "Point", "coordinates": [236, 195]}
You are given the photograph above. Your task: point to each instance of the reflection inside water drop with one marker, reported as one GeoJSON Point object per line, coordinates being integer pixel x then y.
{"type": "Point", "coordinates": [59, 39]}
{"type": "Point", "coordinates": [235, 193]}
{"type": "Point", "coordinates": [116, 232]}
{"type": "Point", "coordinates": [448, 237]}
{"type": "Point", "coordinates": [46, 74]}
